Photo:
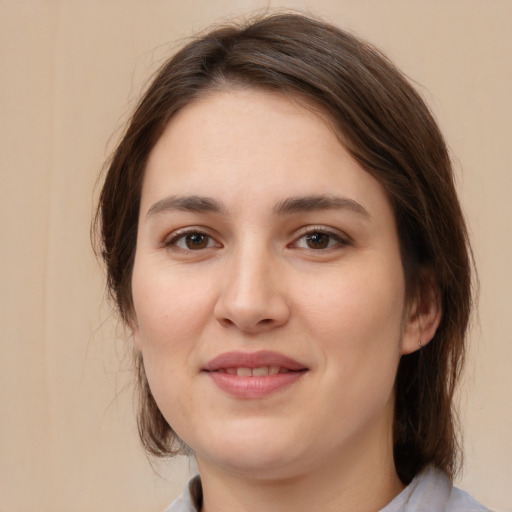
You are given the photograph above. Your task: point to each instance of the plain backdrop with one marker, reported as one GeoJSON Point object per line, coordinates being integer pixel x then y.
{"type": "Point", "coordinates": [70, 73]}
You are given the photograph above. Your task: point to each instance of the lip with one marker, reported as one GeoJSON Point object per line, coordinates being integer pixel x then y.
{"type": "Point", "coordinates": [252, 360]}
{"type": "Point", "coordinates": [253, 387]}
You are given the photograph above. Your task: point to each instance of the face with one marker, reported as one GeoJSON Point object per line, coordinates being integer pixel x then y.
{"type": "Point", "coordinates": [268, 288]}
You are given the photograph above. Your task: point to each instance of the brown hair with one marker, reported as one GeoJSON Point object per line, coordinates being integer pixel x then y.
{"type": "Point", "coordinates": [388, 129]}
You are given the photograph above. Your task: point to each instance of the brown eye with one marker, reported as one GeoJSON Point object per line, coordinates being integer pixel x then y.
{"type": "Point", "coordinates": [193, 241]}
{"type": "Point", "coordinates": [196, 241]}
{"type": "Point", "coordinates": [318, 240]}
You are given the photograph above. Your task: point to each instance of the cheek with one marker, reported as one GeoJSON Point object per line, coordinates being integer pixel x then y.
{"type": "Point", "coordinates": [169, 308]}
{"type": "Point", "coordinates": [172, 309]}
{"type": "Point", "coordinates": [355, 302]}
{"type": "Point", "coordinates": [356, 321]}
{"type": "Point", "coordinates": [169, 312]}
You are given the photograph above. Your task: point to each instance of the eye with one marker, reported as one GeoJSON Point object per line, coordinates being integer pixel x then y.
{"type": "Point", "coordinates": [319, 240]}
{"type": "Point", "coordinates": [192, 241]}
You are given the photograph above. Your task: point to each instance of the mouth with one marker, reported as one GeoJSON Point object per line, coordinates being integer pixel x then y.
{"type": "Point", "coordinates": [261, 371]}
{"type": "Point", "coordinates": [253, 375]}
{"type": "Point", "coordinates": [246, 364]}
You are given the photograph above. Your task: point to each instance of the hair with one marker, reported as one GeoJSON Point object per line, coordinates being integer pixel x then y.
{"type": "Point", "coordinates": [387, 128]}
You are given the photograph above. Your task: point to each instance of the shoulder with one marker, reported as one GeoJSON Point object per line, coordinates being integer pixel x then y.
{"type": "Point", "coordinates": [462, 501]}
{"type": "Point", "coordinates": [433, 490]}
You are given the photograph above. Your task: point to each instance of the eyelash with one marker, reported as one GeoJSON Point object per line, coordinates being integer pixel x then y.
{"type": "Point", "coordinates": [317, 230]}
{"type": "Point", "coordinates": [333, 240]}
{"type": "Point", "coordinates": [176, 237]}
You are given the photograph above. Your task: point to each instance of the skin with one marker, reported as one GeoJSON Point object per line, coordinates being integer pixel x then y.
{"type": "Point", "coordinates": [250, 279]}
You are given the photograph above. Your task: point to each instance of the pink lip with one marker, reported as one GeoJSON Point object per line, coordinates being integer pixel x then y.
{"type": "Point", "coordinates": [253, 387]}
{"type": "Point", "coordinates": [252, 360]}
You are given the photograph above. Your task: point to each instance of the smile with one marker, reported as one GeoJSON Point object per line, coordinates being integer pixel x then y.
{"type": "Point", "coordinates": [254, 372]}
{"type": "Point", "coordinates": [253, 375]}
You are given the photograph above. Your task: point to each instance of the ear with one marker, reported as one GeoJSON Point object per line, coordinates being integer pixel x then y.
{"type": "Point", "coordinates": [422, 315]}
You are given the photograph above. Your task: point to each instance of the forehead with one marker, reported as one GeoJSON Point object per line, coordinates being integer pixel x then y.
{"type": "Point", "coordinates": [224, 122]}
{"type": "Point", "coordinates": [254, 144]}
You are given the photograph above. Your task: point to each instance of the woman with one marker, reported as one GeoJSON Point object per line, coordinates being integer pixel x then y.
{"type": "Point", "coordinates": [283, 238]}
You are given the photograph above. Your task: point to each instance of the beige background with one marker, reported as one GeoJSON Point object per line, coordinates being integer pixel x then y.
{"type": "Point", "coordinates": [70, 72]}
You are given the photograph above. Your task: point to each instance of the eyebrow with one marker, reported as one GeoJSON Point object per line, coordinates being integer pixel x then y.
{"type": "Point", "coordinates": [187, 204]}
{"type": "Point", "coordinates": [317, 203]}
{"type": "Point", "coordinates": [288, 206]}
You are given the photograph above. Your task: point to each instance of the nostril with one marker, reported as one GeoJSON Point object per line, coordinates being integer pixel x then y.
{"type": "Point", "coordinates": [251, 313]}
{"type": "Point", "coordinates": [247, 326]}
{"type": "Point", "coordinates": [226, 322]}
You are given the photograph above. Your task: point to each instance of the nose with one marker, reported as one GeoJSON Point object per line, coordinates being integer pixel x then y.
{"type": "Point", "coordinates": [252, 297]}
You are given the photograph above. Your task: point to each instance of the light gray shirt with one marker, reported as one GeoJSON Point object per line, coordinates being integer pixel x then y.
{"type": "Point", "coordinates": [430, 491]}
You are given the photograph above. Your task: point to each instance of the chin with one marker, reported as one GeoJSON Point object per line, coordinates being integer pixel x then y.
{"type": "Point", "coordinates": [261, 467]}
{"type": "Point", "coordinates": [256, 454]}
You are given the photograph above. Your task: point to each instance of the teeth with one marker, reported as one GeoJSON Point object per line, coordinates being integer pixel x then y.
{"type": "Point", "coordinates": [273, 370]}
{"type": "Point", "coordinates": [260, 372]}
